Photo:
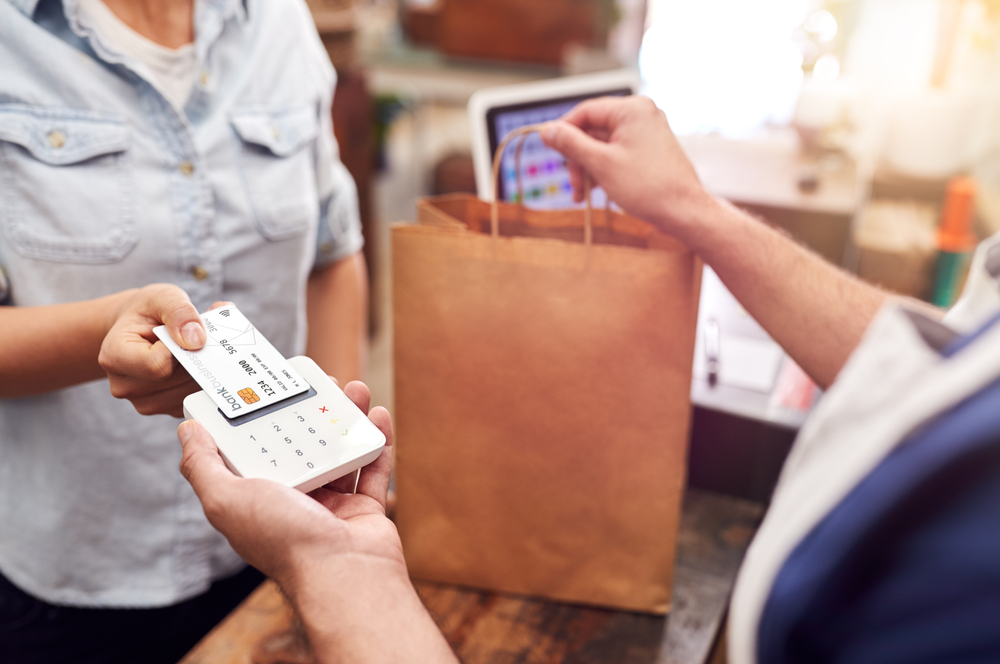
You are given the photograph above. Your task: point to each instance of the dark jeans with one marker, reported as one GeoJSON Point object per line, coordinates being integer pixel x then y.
{"type": "Point", "coordinates": [34, 632]}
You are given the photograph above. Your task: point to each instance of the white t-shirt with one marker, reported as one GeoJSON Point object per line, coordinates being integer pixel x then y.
{"type": "Point", "coordinates": [171, 70]}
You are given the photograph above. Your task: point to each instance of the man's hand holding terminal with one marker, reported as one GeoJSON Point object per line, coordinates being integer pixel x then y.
{"type": "Point", "coordinates": [333, 552]}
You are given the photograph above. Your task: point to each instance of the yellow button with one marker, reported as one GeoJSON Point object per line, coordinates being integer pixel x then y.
{"type": "Point", "coordinates": [277, 134]}
{"type": "Point", "coordinates": [326, 247]}
{"type": "Point", "coordinates": [187, 168]}
{"type": "Point", "coordinates": [200, 273]}
{"type": "Point", "coordinates": [204, 78]}
{"type": "Point", "coordinates": [57, 139]}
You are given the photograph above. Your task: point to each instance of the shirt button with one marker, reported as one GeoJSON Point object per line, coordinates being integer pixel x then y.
{"type": "Point", "coordinates": [277, 134]}
{"type": "Point", "coordinates": [187, 168]}
{"type": "Point", "coordinates": [199, 273]}
{"type": "Point", "coordinates": [57, 139]}
{"type": "Point", "coordinates": [326, 247]}
{"type": "Point", "coordinates": [203, 78]}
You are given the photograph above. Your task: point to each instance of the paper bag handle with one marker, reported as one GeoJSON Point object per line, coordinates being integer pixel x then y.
{"type": "Point", "coordinates": [521, 132]}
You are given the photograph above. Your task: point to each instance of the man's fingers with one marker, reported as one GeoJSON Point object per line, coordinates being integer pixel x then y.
{"type": "Point", "coordinates": [204, 468]}
{"type": "Point", "coordinates": [201, 462]}
{"type": "Point", "coordinates": [345, 484]}
{"type": "Point", "coordinates": [174, 308]}
{"type": "Point", "coordinates": [592, 115]}
{"type": "Point", "coordinates": [219, 304]}
{"type": "Point", "coordinates": [374, 479]}
{"type": "Point", "coordinates": [576, 179]}
{"type": "Point", "coordinates": [328, 498]}
{"type": "Point", "coordinates": [381, 418]}
{"type": "Point", "coordinates": [359, 393]}
{"type": "Point", "coordinates": [599, 134]}
{"type": "Point", "coordinates": [590, 153]}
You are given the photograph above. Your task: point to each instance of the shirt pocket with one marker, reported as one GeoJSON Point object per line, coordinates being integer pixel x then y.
{"type": "Point", "coordinates": [278, 169]}
{"type": "Point", "coordinates": [65, 184]}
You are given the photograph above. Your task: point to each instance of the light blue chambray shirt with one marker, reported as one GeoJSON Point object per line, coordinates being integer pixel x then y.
{"type": "Point", "coordinates": [105, 186]}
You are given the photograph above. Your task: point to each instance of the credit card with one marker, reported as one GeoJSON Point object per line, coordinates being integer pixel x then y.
{"type": "Point", "coordinates": [238, 368]}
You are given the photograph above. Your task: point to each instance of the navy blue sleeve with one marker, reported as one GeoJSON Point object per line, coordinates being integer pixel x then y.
{"type": "Point", "coordinates": [907, 568]}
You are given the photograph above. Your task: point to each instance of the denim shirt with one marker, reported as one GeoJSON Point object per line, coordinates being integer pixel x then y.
{"type": "Point", "coordinates": [105, 186]}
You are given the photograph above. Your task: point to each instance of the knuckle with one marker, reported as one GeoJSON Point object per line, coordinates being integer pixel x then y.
{"type": "Point", "coordinates": [171, 300]}
{"type": "Point", "coordinates": [105, 360]}
{"type": "Point", "coordinates": [146, 407]}
{"type": "Point", "coordinates": [161, 367]}
{"type": "Point", "coordinates": [187, 463]}
{"type": "Point", "coordinates": [212, 506]}
{"type": "Point", "coordinates": [180, 305]}
{"type": "Point", "coordinates": [163, 288]}
{"type": "Point", "coordinates": [153, 291]}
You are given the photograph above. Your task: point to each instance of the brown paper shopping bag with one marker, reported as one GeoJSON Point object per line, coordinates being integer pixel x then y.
{"type": "Point", "coordinates": [542, 400]}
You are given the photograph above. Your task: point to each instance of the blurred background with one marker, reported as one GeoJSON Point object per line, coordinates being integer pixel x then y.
{"type": "Point", "coordinates": [860, 126]}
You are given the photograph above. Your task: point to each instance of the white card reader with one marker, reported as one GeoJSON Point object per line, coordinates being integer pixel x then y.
{"type": "Point", "coordinates": [304, 441]}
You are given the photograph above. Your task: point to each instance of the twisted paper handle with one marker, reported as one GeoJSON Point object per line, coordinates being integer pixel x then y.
{"type": "Point", "coordinates": [520, 133]}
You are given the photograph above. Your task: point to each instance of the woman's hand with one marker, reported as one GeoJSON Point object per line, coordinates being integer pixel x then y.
{"type": "Point", "coordinates": [140, 368]}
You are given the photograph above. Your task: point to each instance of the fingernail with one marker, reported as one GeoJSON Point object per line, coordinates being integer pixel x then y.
{"type": "Point", "coordinates": [549, 131]}
{"type": "Point", "coordinates": [193, 334]}
{"type": "Point", "coordinates": [185, 431]}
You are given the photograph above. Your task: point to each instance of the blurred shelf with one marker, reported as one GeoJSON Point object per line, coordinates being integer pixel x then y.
{"type": "Point", "coordinates": [766, 172]}
{"type": "Point", "coordinates": [429, 76]}
{"type": "Point", "coordinates": [335, 20]}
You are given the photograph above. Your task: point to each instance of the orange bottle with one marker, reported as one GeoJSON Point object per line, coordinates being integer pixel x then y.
{"type": "Point", "coordinates": [955, 240]}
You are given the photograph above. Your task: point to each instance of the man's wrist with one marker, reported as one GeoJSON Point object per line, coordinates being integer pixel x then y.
{"type": "Point", "coordinates": [338, 567]}
{"type": "Point", "coordinates": [362, 607]}
{"type": "Point", "coordinates": [690, 217]}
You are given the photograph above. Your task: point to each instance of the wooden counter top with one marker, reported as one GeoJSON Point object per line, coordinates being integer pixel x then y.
{"type": "Point", "coordinates": [490, 627]}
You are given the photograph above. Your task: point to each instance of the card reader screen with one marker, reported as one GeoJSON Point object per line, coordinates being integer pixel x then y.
{"type": "Point", "coordinates": [544, 175]}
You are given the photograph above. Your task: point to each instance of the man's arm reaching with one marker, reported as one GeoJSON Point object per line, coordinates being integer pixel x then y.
{"type": "Point", "coordinates": [814, 310]}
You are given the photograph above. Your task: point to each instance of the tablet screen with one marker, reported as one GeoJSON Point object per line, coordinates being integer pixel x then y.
{"type": "Point", "coordinates": [544, 175]}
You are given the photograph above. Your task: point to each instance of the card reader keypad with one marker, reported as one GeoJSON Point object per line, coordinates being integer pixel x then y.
{"type": "Point", "coordinates": [297, 442]}
{"type": "Point", "coordinates": [294, 442]}
{"type": "Point", "coordinates": [304, 444]}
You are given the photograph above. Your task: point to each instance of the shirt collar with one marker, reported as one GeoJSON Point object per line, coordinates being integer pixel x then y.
{"type": "Point", "coordinates": [225, 8]}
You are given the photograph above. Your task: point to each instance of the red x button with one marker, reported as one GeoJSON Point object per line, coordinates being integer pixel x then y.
{"type": "Point", "coordinates": [322, 409]}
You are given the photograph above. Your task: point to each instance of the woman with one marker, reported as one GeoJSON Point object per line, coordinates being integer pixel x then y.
{"type": "Point", "coordinates": [156, 156]}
